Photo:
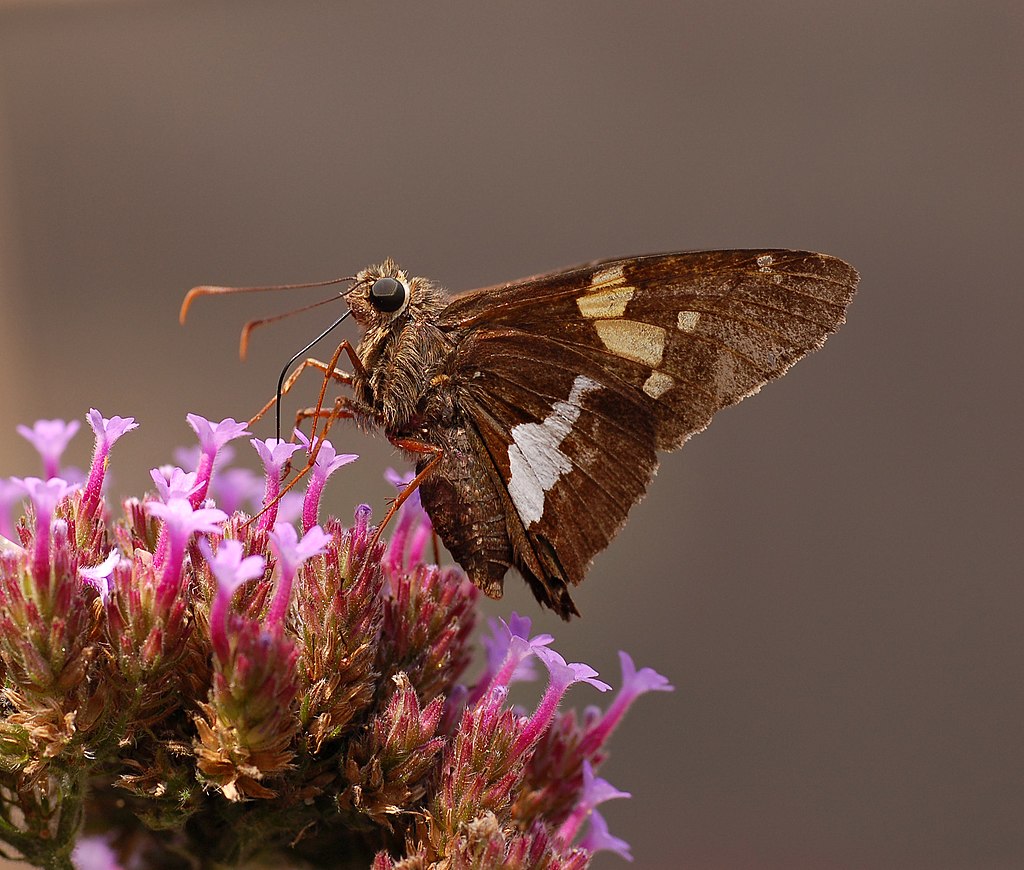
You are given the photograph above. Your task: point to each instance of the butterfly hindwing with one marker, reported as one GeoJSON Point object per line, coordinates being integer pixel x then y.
{"type": "Point", "coordinates": [570, 446]}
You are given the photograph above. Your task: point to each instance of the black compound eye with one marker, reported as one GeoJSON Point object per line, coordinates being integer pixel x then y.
{"type": "Point", "coordinates": [388, 295]}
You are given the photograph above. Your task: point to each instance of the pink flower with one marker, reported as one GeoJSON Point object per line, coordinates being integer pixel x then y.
{"type": "Point", "coordinates": [562, 676]}
{"type": "Point", "coordinates": [173, 482]}
{"type": "Point", "coordinates": [45, 496]}
{"type": "Point", "coordinates": [99, 575]}
{"type": "Point", "coordinates": [412, 519]}
{"type": "Point", "coordinates": [508, 654]}
{"type": "Point", "coordinates": [326, 463]}
{"type": "Point", "coordinates": [634, 684]}
{"type": "Point", "coordinates": [212, 437]}
{"type": "Point", "coordinates": [107, 431]}
{"type": "Point", "coordinates": [274, 454]}
{"type": "Point", "coordinates": [598, 839]}
{"type": "Point", "coordinates": [595, 791]}
{"type": "Point", "coordinates": [291, 552]}
{"type": "Point", "coordinates": [50, 438]}
{"type": "Point", "coordinates": [181, 521]}
{"type": "Point", "coordinates": [231, 571]}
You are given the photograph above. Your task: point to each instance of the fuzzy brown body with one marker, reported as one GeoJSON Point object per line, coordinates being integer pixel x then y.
{"type": "Point", "coordinates": [542, 403]}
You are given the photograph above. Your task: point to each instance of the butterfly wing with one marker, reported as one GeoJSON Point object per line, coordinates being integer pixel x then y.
{"type": "Point", "coordinates": [571, 381]}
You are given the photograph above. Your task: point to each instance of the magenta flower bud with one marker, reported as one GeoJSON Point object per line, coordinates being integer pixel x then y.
{"type": "Point", "coordinates": [230, 571]}
{"type": "Point", "coordinates": [274, 453]}
{"type": "Point", "coordinates": [291, 552]}
{"type": "Point", "coordinates": [634, 684]}
{"type": "Point", "coordinates": [181, 521]}
{"type": "Point", "coordinates": [50, 438]}
{"type": "Point", "coordinates": [326, 463]}
{"type": "Point", "coordinates": [212, 437]}
{"type": "Point", "coordinates": [107, 431]}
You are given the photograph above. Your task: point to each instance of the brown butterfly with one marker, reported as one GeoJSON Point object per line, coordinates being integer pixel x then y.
{"type": "Point", "coordinates": [535, 409]}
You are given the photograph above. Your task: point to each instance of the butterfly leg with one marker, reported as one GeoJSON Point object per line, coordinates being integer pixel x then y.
{"type": "Point", "coordinates": [411, 446]}
{"type": "Point", "coordinates": [340, 411]}
{"type": "Point", "coordinates": [360, 370]}
{"type": "Point", "coordinates": [332, 374]}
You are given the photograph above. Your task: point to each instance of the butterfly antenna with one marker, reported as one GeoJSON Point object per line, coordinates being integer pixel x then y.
{"type": "Point", "coordinates": [288, 365]}
{"type": "Point", "coordinates": [243, 343]}
{"type": "Point", "coordinates": [210, 290]}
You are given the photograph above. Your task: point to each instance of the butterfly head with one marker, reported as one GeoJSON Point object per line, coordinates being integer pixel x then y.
{"type": "Point", "coordinates": [384, 297]}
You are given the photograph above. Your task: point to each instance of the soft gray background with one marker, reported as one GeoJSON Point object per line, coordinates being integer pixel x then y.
{"type": "Point", "coordinates": [831, 575]}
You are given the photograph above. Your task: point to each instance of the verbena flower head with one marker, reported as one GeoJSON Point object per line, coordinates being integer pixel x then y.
{"type": "Point", "coordinates": [245, 691]}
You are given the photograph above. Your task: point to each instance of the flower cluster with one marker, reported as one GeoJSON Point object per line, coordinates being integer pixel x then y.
{"type": "Point", "coordinates": [216, 678]}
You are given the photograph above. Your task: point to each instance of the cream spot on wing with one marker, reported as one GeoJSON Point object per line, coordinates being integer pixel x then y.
{"type": "Point", "coordinates": [631, 339]}
{"type": "Point", "coordinates": [611, 275]}
{"type": "Point", "coordinates": [764, 262]}
{"type": "Point", "coordinates": [658, 384]}
{"type": "Point", "coordinates": [605, 303]}
{"type": "Point", "coordinates": [688, 320]}
{"type": "Point", "coordinates": [536, 462]}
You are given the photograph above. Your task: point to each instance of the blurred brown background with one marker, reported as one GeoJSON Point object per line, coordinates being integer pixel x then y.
{"type": "Point", "coordinates": [831, 575]}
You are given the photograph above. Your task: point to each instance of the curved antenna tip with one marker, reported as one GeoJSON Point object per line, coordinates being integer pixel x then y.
{"type": "Point", "coordinates": [186, 303]}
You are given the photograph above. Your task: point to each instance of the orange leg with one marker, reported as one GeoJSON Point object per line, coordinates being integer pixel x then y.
{"type": "Point", "coordinates": [413, 447]}
{"type": "Point", "coordinates": [332, 374]}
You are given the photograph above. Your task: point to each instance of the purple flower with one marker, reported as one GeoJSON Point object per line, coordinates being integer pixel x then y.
{"type": "Point", "coordinates": [172, 482]}
{"type": "Point", "coordinates": [50, 438]}
{"type": "Point", "coordinates": [231, 571]}
{"type": "Point", "coordinates": [181, 521]}
{"type": "Point", "coordinates": [236, 489]}
{"type": "Point", "coordinates": [634, 684]}
{"type": "Point", "coordinates": [107, 431]}
{"type": "Point", "coordinates": [508, 654]}
{"type": "Point", "coordinates": [598, 839]}
{"type": "Point", "coordinates": [45, 496]}
{"type": "Point", "coordinates": [99, 575]}
{"type": "Point", "coordinates": [326, 463]}
{"type": "Point", "coordinates": [212, 437]}
{"type": "Point", "coordinates": [291, 552]}
{"type": "Point", "coordinates": [274, 454]}
{"type": "Point", "coordinates": [562, 675]}
{"type": "Point", "coordinates": [595, 791]}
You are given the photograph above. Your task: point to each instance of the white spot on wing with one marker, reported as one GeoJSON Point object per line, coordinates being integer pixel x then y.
{"type": "Point", "coordinates": [688, 320]}
{"type": "Point", "coordinates": [658, 384]}
{"type": "Point", "coordinates": [605, 303]}
{"type": "Point", "coordinates": [611, 275]}
{"type": "Point", "coordinates": [535, 459]}
{"type": "Point", "coordinates": [632, 339]}
{"type": "Point", "coordinates": [764, 262]}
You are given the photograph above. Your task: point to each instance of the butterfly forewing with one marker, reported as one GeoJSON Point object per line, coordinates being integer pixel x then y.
{"type": "Point", "coordinates": [694, 332]}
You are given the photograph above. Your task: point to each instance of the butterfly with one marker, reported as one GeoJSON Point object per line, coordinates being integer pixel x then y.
{"type": "Point", "coordinates": [535, 410]}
